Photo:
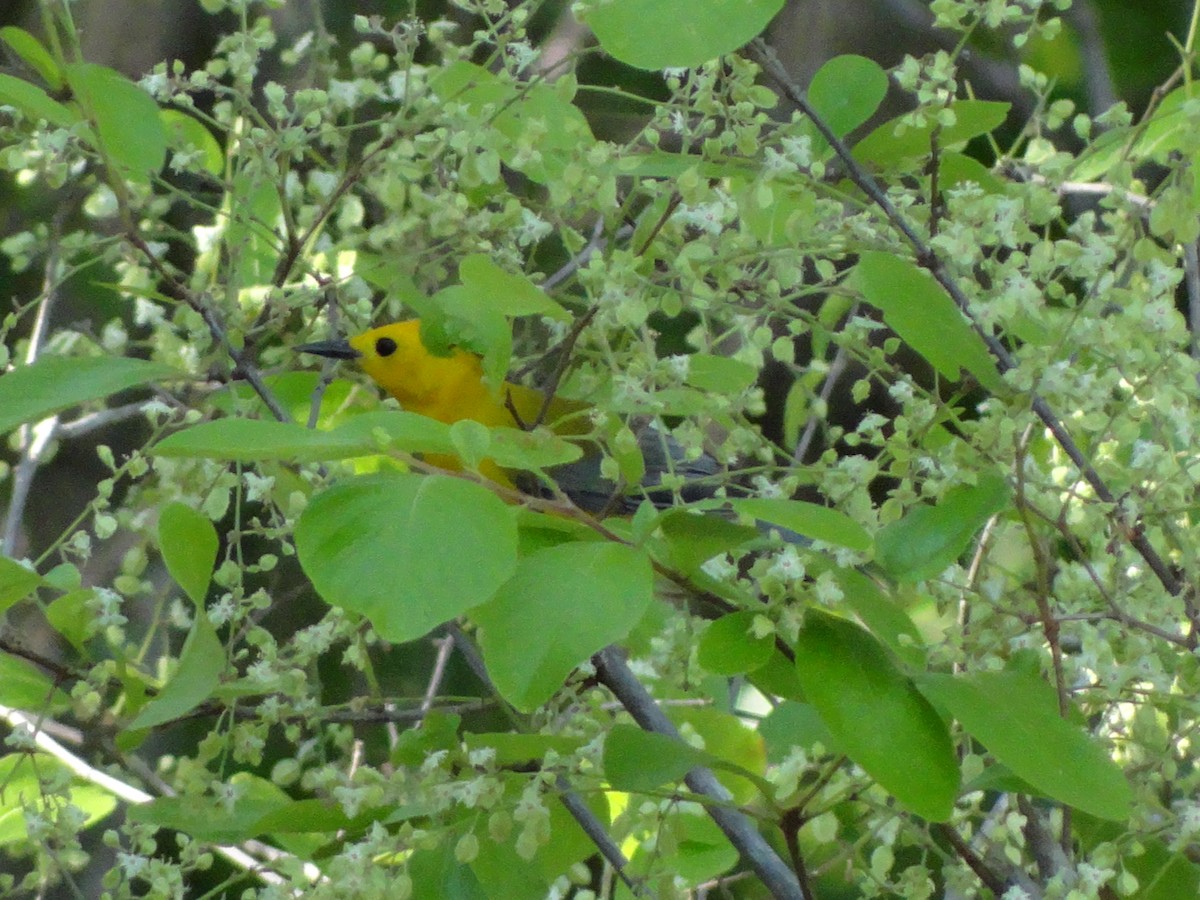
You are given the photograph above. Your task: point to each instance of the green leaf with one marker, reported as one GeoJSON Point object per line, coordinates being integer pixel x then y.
{"type": "Point", "coordinates": [882, 615]}
{"type": "Point", "coordinates": [662, 34]}
{"type": "Point", "coordinates": [196, 677]}
{"type": "Point", "coordinates": [130, 133]}
{"type": "Point", "coordinates": [790, 725]}
{"type": "Point", "coordinates": [719, 374]}
{"type": "Point", "coordinates": [31, 51]}
{"type": "Point", "coordinates": [68, 615]}
{"type": "Point", "coordinates": [471, 441]}
{"type": "Point", "coordinates": [930, 538]}
{"type": "Point", "coordinates": [846, 91]}
{"type": "Point", "coordinates": [215, 819]}
{"type": "Point", "coordinates": [729, 647]}
{"type": "Point", "coordinates": [455, 317]}
{"type": "Point", "coordinates": [23, 775]}
{"type": "Point", "coordinates": [512, 749]}
{"type": "Point", "coordinates": [435, 874]}
{"type": "Point", "coordinates": [923, 315]}
{"type": "Point", "coordinates": [876, 715]}
{"type": "Point", "coordinates": [735, 751]}
{"type": "Point", "coordinates": [16, 582]}
{"type": "Point", "coordinates": [31, 393]}
{"type": "Point", "coordinates": [24, 687]}
{"type": "Point", "coordinates": [1015, 715]}
{"type": "Point", "coordinates": [262, 440]}
{"type": "Point", "coordinates": [809, 519]}
{"type": "Point", "coordinates": [698, 850]}
{"type": "Point", "coordinates": [34, 102]}
{"type": "Point", "coordinates": [582, 597]}
{"type": "Point", "coordinates": [513, 295]}
{"type": "Point", "coordinates": [693, 538]}
{"type": "Point", "coordinates": [409, 552]}
{"type": "Point", "coordinates": [896, 143]}
{"type": "Point", "coordinates": [189, 548]}
{"type": "Point", "coordinates": [188, 134]}
{"type": "Point", "coordinates": [513, 448]}
{"type": "Point", "coordinates": [636, 760]}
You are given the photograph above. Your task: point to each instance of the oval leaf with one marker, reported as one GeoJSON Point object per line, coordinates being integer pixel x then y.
{"type": "Point", "coordinates": [612, 583]}
{"type": "Point", "coordinates": [16, 582]}
{"type": "Point", "coordinates": [189, 548]}
{"type": "Point", "coordinates": [34, 102]}
{"type": "Point", "coordinates": [200, 666]}
{"type": "Point", "coordinates": [409, 552]}
{"type": "Point", "coordinates": [513, 295]}
{"type": "Point", "coordinates": [129, 131]}
{"type": "Point", "coordinates": [1015, 715]}
{"type": "Point", "coordinates": [53, 383]}
{"type": "Point", "coordinates": [262, 440]}
{"type": "Point", "coordinates": [930, 538]}
{"type": "Point", "coordinates": [636, 760]}
{"type": "Point", "coordinates": [876, 715]}
{"type": "Point", "coordinates": [728, 647]}
{"type": "Point", "coordinates": [923, 315]}
{"type": "Point", "coordinates": [33, 54]}
{"type": "Point", "coordinates": [846, 91]}
{"type": "Point", "coordinates": [809, 519]}
{"type": "Point", "coordinates": [897, 142]}
{"type": "Point", "coordinates": [662, 34]}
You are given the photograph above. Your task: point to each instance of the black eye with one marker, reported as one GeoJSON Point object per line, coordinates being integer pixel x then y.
{"type": "Point", "coordinates": [385, 346]}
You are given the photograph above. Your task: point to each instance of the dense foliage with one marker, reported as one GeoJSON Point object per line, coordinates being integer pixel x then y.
{"type": "Point", "coordinates": [930, 631]}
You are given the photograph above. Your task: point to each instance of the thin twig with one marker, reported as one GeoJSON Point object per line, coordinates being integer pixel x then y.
{"type": "Point", "coordinates": [780, 881]}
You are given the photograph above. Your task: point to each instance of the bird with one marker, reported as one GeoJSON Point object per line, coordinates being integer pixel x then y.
{"type": "Point", "coordinates": [452, 387]}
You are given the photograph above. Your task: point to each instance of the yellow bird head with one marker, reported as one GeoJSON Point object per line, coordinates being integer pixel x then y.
{"type": "Point", "coordinates": [447, 388]}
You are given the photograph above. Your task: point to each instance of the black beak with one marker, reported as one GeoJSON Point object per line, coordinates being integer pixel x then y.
{"type": "Point", "coordinates": [331, 349]}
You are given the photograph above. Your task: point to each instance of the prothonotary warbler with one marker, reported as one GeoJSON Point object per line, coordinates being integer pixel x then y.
{"type": "Point", "coordinates": [452, 388]}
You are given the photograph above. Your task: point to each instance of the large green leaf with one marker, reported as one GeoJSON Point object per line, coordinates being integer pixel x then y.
{"type": "Point", "coordinates": [24, 687]}
{"type": "Point", "coordinates": [513, 295]}
{"type": "Point", "coordinates": [662, 34]}
{"type": "Point", "coordinates": [197, 676]}
{"type": "Point", "coordinates": [189, 548]}
{"type": "Point", "coordinates": [930, 538]}
{"type": "Point", "coordinates": [34, 102]}
{"type": "Point", "coordinates": [260, 440]}
{"type": "Point", "coordinates": [130, 132]}
{"type": "Point", "coordinates": [692, 538]}
{"type": "Point", "coordinates": [409, 552]}
{"type": "Point", "coordinates": [636, 760]}
{"type": "Point", "coordinates": [33, 54]}
{"type": "Point", "coordinates": [729, 646]}
{"type": "Point", "coordinates": [53, 383]}
{"type": "Point", "coordinates": [581, 596]}
{"type": "Point", "coordinates": [1015, 715]}
{"type": "Point", "coordinates": [923, 315]}
{"type": "Point", "coordinates": [846, 91]}
{"type": "Point", "coordinates": [876, 715]}
{"type": "Point", "coordinates": [217, 819]}
{"type": "Point", "coordinates": [897, 143]}
{"type": "Point", "coordinates": [809, 519]}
